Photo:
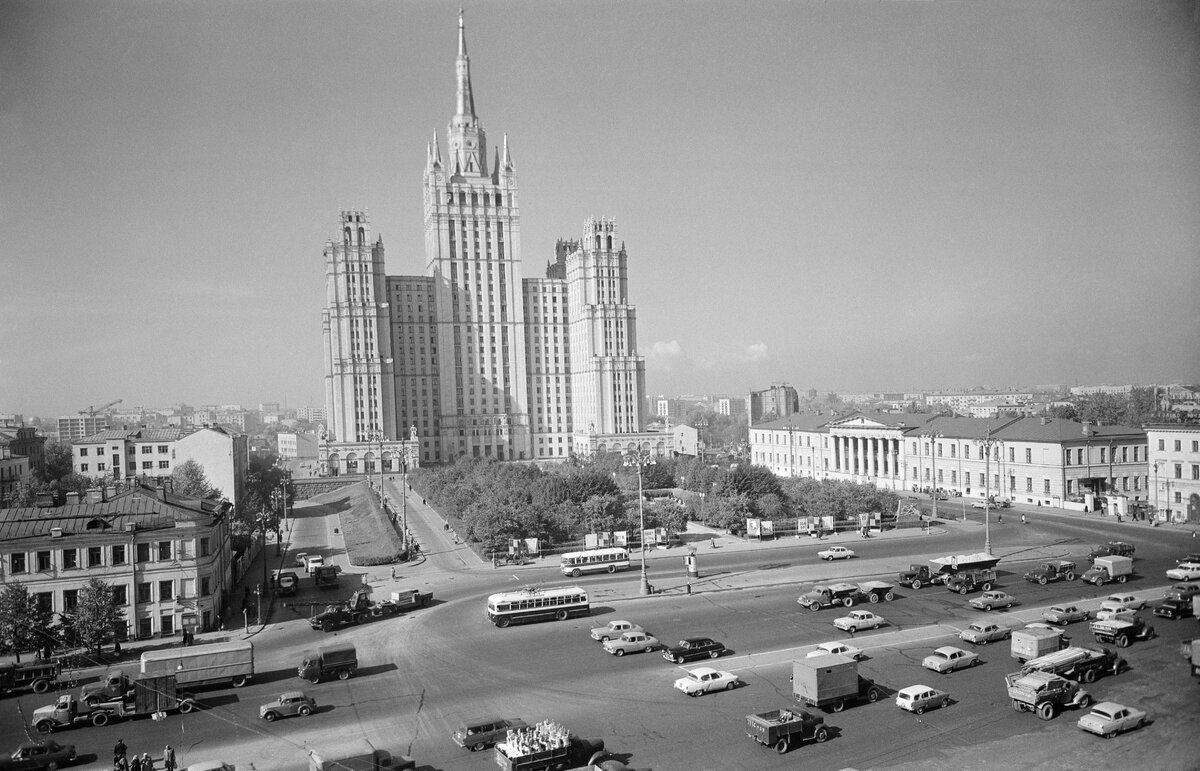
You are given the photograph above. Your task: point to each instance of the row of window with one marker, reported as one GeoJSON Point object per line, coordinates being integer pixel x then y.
{"type": "Point", "coordinates": [144, 592]}
{"type": "Point", "coordinates": [69, 558]}
{"type": "Point", "coordinates": [1178, 445]}
{"type": "Point", "coordinates": [147, 449]}
{"type": "Point", "coordinates": [147, 465]}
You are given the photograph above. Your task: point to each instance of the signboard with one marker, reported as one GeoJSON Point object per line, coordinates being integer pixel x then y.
{"type": "Point", "coordinates": [591, 541]}
{"type": "Point", "coordinates": [621, 538]}
{"type": "Point", "coordinates": [753, 528]}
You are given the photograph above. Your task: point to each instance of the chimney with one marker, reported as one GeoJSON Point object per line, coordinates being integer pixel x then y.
{"type": "Point", "coordinates": [130, 527]}
{"type": "Point", "coordinates": [56, 532]}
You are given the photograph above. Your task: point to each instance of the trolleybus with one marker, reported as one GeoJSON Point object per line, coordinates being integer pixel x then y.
{"type": "Point", "coordinates": [558, 603]}
{"type": "Point", "coordinates": [576, 563]}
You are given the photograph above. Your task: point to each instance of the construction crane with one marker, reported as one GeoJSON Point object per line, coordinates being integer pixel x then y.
{"type": "Point", "coordinates": [93, 410]}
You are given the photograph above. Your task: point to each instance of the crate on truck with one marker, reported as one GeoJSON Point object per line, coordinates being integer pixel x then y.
{"type": "Point", "coordinates": [1107, 569]}
{"type": "Point", "coordinates": [201, 665]}
{"type": "Point", "coordinates": [1122, 630]}
{"type": "Point", "coordinates": [967, 581]}
{"type": "Point", "coordinates": [1078, 663]}
{"type": "Point", "coordinates": [37, 676]}
{"type": "Point", "coordinates": [1044, 694]}
{"type": "Point", "coordinates": [785, 728]}
{"type": "Point", "coordinates": [831, 681]}
{"type": "Point", "coordinates": [1030, 643]}
{"type": "Point", "coordinates": [1054, 570]}
{"type": "Point", "coordinates": [152, 694]}
{"type": "Point", "coordinates": [360, 608]}
{"type": "Point", "coordinates": [543, 746]}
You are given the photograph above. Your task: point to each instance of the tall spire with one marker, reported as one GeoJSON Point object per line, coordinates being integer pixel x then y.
{"type": "Point", "coordinates": [466, 141]}
{"type": "Point", "coordinates": [465, 111]}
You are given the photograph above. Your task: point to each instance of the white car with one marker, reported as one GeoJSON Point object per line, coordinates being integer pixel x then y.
{"type": "Point", "coordinates": [949, 658]}
{"type": "Point", "coordinates": [1119, 602]}
{"type": "Point", "coordinates": [859, 619]}
{"type": "Point", "coordinates": [300, 558]}
{"type": "Point", "coordinates": [1108, 718]}
{"type": "Point", "coordinates": [312, 562]}
{"type": "Point", "coordinates": [614, 629]}
{"type": "Point", "coordinates": [842, 649]}
{"type": "Point", "coordinates": [1187, 571]}
{"type": "Point", "coordinates": [705, 679]}
{"type": "Point", "coordinates": [835, 553]}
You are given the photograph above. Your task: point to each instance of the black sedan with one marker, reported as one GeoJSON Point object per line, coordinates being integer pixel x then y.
{"type": "Point", "coordinates": [694, 648]}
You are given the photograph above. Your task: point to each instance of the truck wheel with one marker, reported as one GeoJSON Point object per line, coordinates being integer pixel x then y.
{"type": "Point", "coordinates": [848, 602]}
{"type": "Point", "coordinates": [560, 615]}
{"type": "Point", "coordinates": [40, 686]}
{"type": "Point", "coordinates": [1088, 675]}
{"type": "Point", "coordinates": [814, 606]}
{"type": "Point", "coordinates": [1018, 706]}
{"type": "Point", "coordinates": [839, 705]}
{"type": "Point", "coordinates": [962, 590]}
{"type": "Point", "coordinates": [987, 587]}
{"type": "Point", "coordinates": [305, 711]}
{"type": "Point", "coordinates": [503, 621]}
{"type": "Point", "coordinates": [781, 746]}
{"type": "Point", "coordinates": [314, 679]}
{"type": "Point", "coordinates": [478, 747]}
{"type": "Point", "coordinates": [1042, 580]}
{"type": "Point", "coordinates": [270, 717]}
{"type": "Point", "coordinates": [1100, 581]}
{"type": "Point", "coordinates": [916, 584]}
{"type": "Point", "coordinates": [1045, 710]}
{"type": "Point", "coordinates": [874, 598]}
{"type": "Point", "coordinates": [344, 674]}
{"type": "Point", "coordinates": [889, 596]}
{"type": "Point", "coordinates": [1122, 641]}
{"type": "Point", "coordinates": [872, 695]}
{"type": "Point", "coordinates": [1121, 579]}
{"type": "Point", "coordinates": [1085, 701]}
{"type": "Point", "coordinates": [186, 706]}
{"type": "Point", "coordinates": [1069, 575]}
{"type": "Point", "coordinates": [99, 719]}
{"type": "Point", "coordinates": [44, 727]}
{"type": "Point", "coordinates": [326, 626]}
{"type": "Point", "coordinates": [239, 681]}
{"type": "Point", "coordinates": [821, 735]}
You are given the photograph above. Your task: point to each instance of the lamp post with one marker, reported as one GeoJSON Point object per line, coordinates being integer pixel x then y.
{"type": "Point", "coordinates": [640, 459]}
{"type": "Point", "coordinates": [987, 443]}
{"type": "Point", "coordinates": [932, 437]}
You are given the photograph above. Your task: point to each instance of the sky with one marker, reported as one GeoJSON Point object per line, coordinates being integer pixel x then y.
{"type": "Point", "coordinates": [842, 195]}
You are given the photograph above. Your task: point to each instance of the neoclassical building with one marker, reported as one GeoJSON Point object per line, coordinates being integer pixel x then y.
{"type": "Point", "coordinates": [475, 358]}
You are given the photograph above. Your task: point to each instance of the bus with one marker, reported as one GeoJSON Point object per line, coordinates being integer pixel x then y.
{"type": "Point", "coordinates": [576, 563]}
{"type": "Point", "coordinates": [558, 603]}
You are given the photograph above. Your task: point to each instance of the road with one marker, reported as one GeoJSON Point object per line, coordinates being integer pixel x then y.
{"type": "Point", "coordinates": [425, 671]}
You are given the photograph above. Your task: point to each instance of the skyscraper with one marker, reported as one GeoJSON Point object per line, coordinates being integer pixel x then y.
{"type": "Point", "coordinates": [473, 358]}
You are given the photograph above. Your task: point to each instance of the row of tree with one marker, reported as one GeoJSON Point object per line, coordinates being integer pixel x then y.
{"type": "Point", "coordinates": [498, 502]}
{"type": "Point", "coordinates": [26, 625]}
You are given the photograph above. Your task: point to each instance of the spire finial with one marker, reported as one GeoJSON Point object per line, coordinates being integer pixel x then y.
{"type": "Point", "coordinates": [466, 100]}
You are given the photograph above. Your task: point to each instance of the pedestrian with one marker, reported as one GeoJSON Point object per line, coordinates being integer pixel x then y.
{"type": "Point", "coordinates": [119, 749]}
{"type": "Point", "coordinates": [393, 572]}
{"type": "Point", "coordinates": [169, 758]}
{"type": "Point", "coordinates": [135, 764]}
{"type": "Point", "coordinates": [1022, 518]}
{"type": "Point", "coordinates": [850, 629]}
{"type": "Point", "coordinates": [147, 762]}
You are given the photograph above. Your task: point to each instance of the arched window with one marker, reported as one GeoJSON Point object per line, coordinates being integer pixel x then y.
{"type": "Point", "coordinates": [346, 237]}
{"type": "Point", "coordinates": [597, 241]}
{"type": "Point", "coordinates": [499, 199]}
{"type": "Point", "coordinates": [610, 243]}
{"type": "Point", "coordinates": [362, 236]}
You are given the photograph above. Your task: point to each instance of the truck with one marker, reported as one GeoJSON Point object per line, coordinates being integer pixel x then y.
{"type": "Point", "coordinates": [783, 728]}
{"type": "Point", "coordinates": [1120, 548]}
{"type": "Point", "coordinates": [201, 665]}
{"type": "Point", "coordinates": [287, 584]}
{"type": "Point", "coordinates": [151, 695]}
{"type": "Point", "coordinates": [360, 608]}
{"type": "Point", "coordinates": [326, 576]}
{"type": "Point", "coordinates": [359, 756]}
{"type": "Point", "coordinates": [1122, 630]}
{"type": "Point", "coordinates": [1191, 649]}
{"type": "Point", "coordinates": [1105, 569]}
{"type": "Point", "coordinates": [36, 675]}
{"type": "Point", "coordinates": [1031, 643]}
{"type": "Point", "coordinates": [340, 661]}
{"type": "Point", "coordinates": [1078, 663]}
{"type": "Point", "coordinates": [825, 596]}
{"type": "Point", "coordinates": [1054, 570]}
{"type": "Point", "coordinates": [113, 685]}
{"type": "Point", "coordinates": [921, 575]}
{"type": "Point", "coordinates": [977, 561]}
{"type": "Point", "coordinates": [545, 745]}
{"type": "Point", "coordinates": [1044, 694]}
{"type": "Point", "coordinates": [966, 581]}
{"type": "Point", "coordinates": [831, 681]}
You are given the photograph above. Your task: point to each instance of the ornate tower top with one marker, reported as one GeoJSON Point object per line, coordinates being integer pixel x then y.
{"type": "Point", "coordinates": [467, 141]}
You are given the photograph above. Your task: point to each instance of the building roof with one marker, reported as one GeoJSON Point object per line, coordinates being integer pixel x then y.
{"type": "Point", "coordinates": [105, 436]}
{"type": "Point", "coordinates": [1061, 430]}
{"type": "Point", "coordinates": [146, 508]}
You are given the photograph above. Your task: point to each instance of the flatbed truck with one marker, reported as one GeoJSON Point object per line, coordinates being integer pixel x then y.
{"type": "Point", "coordinates": [151, 695]}
{"type": "Point", "coordinates": [785, 728]}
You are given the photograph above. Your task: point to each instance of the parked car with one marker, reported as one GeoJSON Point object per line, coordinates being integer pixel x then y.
{"type": "Point", "coordinates": [839, 648]}
{"type": "Point", "coordinates": [1049, 627]}
{"type": "Point", "coordinates": [918, 698]}
{"type": "Point", "coordinates": [859, 619]}
{"type": "Point", "coordinates": [480, 734]}
{"type": "Point", "coordinates": [312, 562]}
{"type": "Point", "coordinates": [1119, 602]}
{"type": "Point", "coordinates": [1187, 571]}
{"type": "Point", "coordinates": [614, 629]}
{"type": "Point", "coordinates": [835, 553]}
{"type": "Point", "coordinates": [38, 755]}
{"type": "Point", "coordinates": [1108, 718]}
{"type": "Point", "coordinates": [1183, 591]}
{"type": "Point", "coordinates": [301, 559]}
{"type": "Point", "coordinates": [289, 703]}
{"type": "Point", "coordinates": [1193, 557]}
{"type": "Point", "coordinates": [211, 765]}
{"type": "Point", "coordinates": [982, 634]}
{"type": "Point", "coordinates": [694, 648]}
{"type": "Point", "coordinates": [989, 600]}
{"type": "Point", "coordinates": [631, 642]}
{"type": "Point", "coordinates": [1065, 614]}
{"type": "Point", "coordinates": [705, 679]}
{"type": "Point", "coordinates": [948, 658]}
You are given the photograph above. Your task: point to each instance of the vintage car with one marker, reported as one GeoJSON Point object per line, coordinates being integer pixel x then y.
{"type": "Point", "coordinates": [631, 642]}
{"type": "Point", "coordinates": [835, 553]}
{"type": "Point", "coordinates": [1120, 602]}
{"type": "Point", "coordinates": [1108, 719]}
{"type": "Point", "coordinates": [211, 765]}
{"type": "Point", "coordinates": [982, 634]}
{"type": "Point", "coordinates": [1187, 571]}
{"type": "Point", "coordinates": [705, 679]}
{"type": "Point", "coordinates": [289, 703]}
{"type": "Point", "coordinates": [35, 756]}
{"type": "Point", "coordinates": [301, 558]}
{"type": "Point", "coordinates": [1065, 614]}
{"type": "Point", "coordinates": [859, 619]}
{"type": "Point", "coordinates": [694, 648]}
{"type": "Point", "coordinates": [918, 698]}
{"type": "Point", "coordinates": [989, 600]}
{"type": "Point", "coordinates": [838, 648]}
{"type": "Point", "coordinates": [480, 734]}
{"type": "Point", "coordinates": [948, 658]}
{"type": "Point", "coordinates": [614, 629]}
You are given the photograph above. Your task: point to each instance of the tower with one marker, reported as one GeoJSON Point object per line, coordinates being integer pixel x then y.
{"type": "Point", "coordinates": [473, 254]}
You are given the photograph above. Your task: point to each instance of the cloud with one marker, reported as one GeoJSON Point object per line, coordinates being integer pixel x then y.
{"type": "Point", "coordinates": [756, 352]}
{"type": "Point", "coordinates": [667, 356]}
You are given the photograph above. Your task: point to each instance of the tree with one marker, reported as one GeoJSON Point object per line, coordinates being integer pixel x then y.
{"type": "Point", "coordinates": [59, 461]}
{"type": "Point", "coordinates": [95, 618]}
{"type": "Point", "coordinates": [25, 492]}
{"type": "Point", "coordinates": [22, 622]}
{"type": "Point", "coordinates": [188, 479]}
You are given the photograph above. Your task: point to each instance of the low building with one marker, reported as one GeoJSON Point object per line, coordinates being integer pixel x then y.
{"type": "Point", "coordinates": [25, 442]}
{"type": "Point", "coordinates": [167, 557]}
{"type": "Point", "coordinates": [1175, 472]}
{"type": "Point", "coordinates": [14, 469]}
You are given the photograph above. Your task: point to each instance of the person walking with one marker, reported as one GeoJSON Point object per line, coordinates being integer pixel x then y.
{"type": "Point", "coordinates": [169, 758]}
{"type": "Point", "coordinates": [1022, 518]}
{"type": "Point", "coordinates": [119, 749]}
{"type": "Point", "coordinates": [147, 762]}
{"type": "Point", "coordinates": [135, 764]}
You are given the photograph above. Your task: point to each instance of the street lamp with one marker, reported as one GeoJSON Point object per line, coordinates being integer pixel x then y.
{"type": "Point", "coordinates": [987, 443]}
{"type": "Point", "coordinates": [932, 437]}
{"type": "Point", "coordinates": [640, 459]}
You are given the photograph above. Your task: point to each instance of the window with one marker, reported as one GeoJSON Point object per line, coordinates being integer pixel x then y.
{"type": "Point", "coordinates": [70, 559]}
{"type": "Point", "coordinates": [1161, 445]}
{"type": "Point", "coordinates": [1079, 456]}
{"type": "Point", "coordinates": [143, 592]}
{"type": "Point", "coordinates": [147, 449]}
{"type": "Point", "coordinates": [16, 562]}
{"type": "Point", "coordinates": [203, 547]}
{"type": "Point", "coordinates": [143, 552]}
{"type": "Point", "coordinates": [953, 450]}
{"type": "Point", "coordinates": [100, 467]}
{"type": "Point", "coordinates": [1178, 497]}
{"type": "Point", "coordinates": [1029, 455]}
{"type": "Point", "coordinates": [83, 467]}
{"type": "Point", "coordinates": [118, 554]}
{"type": "Point", "coordinates": [145, 627]}
{"type": "Point", "coordinates": [1195, 471]}
{"type": "Point", "coordinates": [83, 452]}
{"type": "Point", "coordinates": [939, 449]}
{"type": "Point", "coordinates": [120, 594]}
{"type": "Point", "coordinates": [43, 561]}
{"type": "Point", "coordinates": [1068, 454]}
{"type": "Point", "coordinates": [1178, 445]}
{"type": "Point", "coordinates": [1028, 484]}
{"type": "Point", "coordinates": [1046, 486]}
{"type": "Point", "coordinates": [45, 602]}
{"type": "Point", "coordinates": [164, 550]}
{"type": "Point", "coordinates": [1104, 455]}
{"type": "Point", "coordinates": [205, 586]}
{"type": "Point", "coordinates": [164, 464]}
{"type": "Point", "coordinates": [147, 465]}
{"type": "Point", "coordinates": [95, 556]}
{"type": "Point", "coordinates": [167, 625]}
{"type": "Point", "coordinates": [1195, 447]}
{"type": "Point", "coordinates": [1179, 471]}
{"type": "Point", "coordinates": [162, 449]}
{"type": "Point", "coordinates": [70, 600]}
{"type": "Point", "coordinates": [166, 590]}
{"type": "Point", "coordinates": [1012, 454]}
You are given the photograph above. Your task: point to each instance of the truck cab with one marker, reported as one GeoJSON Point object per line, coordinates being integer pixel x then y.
{"type": "Point", "coordinates": [115, 686]}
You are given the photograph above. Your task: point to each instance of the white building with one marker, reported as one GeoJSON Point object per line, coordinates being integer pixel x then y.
{"type": "Point", "coordinates": [1175, 471]}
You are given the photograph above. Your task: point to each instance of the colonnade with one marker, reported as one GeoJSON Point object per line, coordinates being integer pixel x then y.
{"type": "Point", "coordinates": [869, 456]}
